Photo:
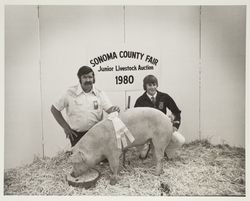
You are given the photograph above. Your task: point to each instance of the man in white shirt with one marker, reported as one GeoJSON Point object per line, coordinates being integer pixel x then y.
{"type": "Point", "coordinates": [84, 105]}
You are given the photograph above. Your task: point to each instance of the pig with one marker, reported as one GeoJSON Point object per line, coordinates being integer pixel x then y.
{"type": "Point", "coordinates": [145, 124]}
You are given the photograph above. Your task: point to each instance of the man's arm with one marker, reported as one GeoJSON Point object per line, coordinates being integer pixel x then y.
{"type": "Point", "coordinates": [61, 121]}
{"type": "Point", "coordinates": [107, 105]}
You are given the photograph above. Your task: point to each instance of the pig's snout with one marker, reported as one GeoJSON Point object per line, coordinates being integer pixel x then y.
{"type": "Point", "coordinates": [78, 169]}
{"type": "Point", "coordinates": [79, 166]}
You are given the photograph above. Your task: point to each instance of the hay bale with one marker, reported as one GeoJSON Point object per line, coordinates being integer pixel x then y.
{"type": "Point", "coordinates": [198, 169]}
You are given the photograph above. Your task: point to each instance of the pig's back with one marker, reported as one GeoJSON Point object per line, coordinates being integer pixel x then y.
{"type": "Point", "coordinates": [144, 113]}
{"type": "Point", "coordinates": [146, 119]}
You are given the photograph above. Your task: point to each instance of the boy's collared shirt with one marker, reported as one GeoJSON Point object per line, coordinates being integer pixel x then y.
{"type": "Point", "coordinates": [83, 110]}
{"type": "Point", "coordinates": [150, 96]}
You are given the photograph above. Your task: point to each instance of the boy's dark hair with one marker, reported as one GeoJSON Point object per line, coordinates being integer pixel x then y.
{"type": "Point", "coordinates": [85, 70]}
{"type": "Point", "coordinates": [149, 79]}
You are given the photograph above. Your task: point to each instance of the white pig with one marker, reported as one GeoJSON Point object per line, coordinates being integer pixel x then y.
{"type": "Point", "coordinates": [145, 124]}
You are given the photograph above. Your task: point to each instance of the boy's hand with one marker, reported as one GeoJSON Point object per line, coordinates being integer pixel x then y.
{"type": "Point", "coordinates": [175, 129]}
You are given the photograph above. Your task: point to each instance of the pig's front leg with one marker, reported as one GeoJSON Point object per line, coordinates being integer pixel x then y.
{"type": "Point", "coordinates": [158, 169]}
{"type": "Point", "coordinates": [114, 166]}
{"type": "Point", "coordinates": [159, 153]}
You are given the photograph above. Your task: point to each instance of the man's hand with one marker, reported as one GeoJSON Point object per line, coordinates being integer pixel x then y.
{"type": "Point", "coordinates": [113, 109]}
{"type": "Point", "coordinates": [171, 117]}
{"type": "Point", "coordinates": [175, 129]}
{"type": "Point", "coordinates": [70, 133]}
{"type": "Point", "coordinates": [59, 118]}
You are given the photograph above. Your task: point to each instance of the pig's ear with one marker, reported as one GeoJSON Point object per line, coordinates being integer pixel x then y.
{"type": "Point", "coordinates": [77, 157]}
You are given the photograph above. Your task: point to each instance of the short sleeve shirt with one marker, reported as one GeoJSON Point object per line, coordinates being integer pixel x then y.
{"type": "Point", "coordinates": [83, 110]}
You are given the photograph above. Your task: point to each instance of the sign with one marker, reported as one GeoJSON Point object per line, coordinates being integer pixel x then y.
{"type": "Point", "coordinates": [123, 68]}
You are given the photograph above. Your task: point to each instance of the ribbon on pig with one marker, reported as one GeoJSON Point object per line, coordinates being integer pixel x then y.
{"type": "Point", "coordinates": [121, 131]}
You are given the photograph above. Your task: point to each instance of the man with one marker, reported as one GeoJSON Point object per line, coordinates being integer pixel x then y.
{"type": "Point", "coordinates": [161, 101]}
{"type": "Point", "coordinates": [84, 105]}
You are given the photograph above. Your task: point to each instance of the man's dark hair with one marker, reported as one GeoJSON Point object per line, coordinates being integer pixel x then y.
{"type": "Point", "coordinates": [149, 79]}
{"type": "Point", "coordinates": [85, 70]}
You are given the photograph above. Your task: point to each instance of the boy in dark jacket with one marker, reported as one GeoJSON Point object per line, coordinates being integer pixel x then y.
{"type": "Point", "coordinates": [161, 101]}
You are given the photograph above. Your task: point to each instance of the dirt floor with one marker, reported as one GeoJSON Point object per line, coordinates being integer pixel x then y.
{"type": "Point", "coordinates": [199, 168]}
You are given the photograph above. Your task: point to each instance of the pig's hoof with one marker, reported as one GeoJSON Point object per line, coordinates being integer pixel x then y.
{"type": "Point", "coordinates": [73, 174]}
{"type": "Point", "coordinates": [113, 181]}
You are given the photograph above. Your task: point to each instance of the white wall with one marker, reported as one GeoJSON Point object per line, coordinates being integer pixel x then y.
{"type": "Point", "coordinates": [68, 33]}
{"type": "Point", "coordinates": [23, 125]}
{"type": "Point", "coordinates": [223, 74]}
{"type": "Point", "coordinates": [175, 31]}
